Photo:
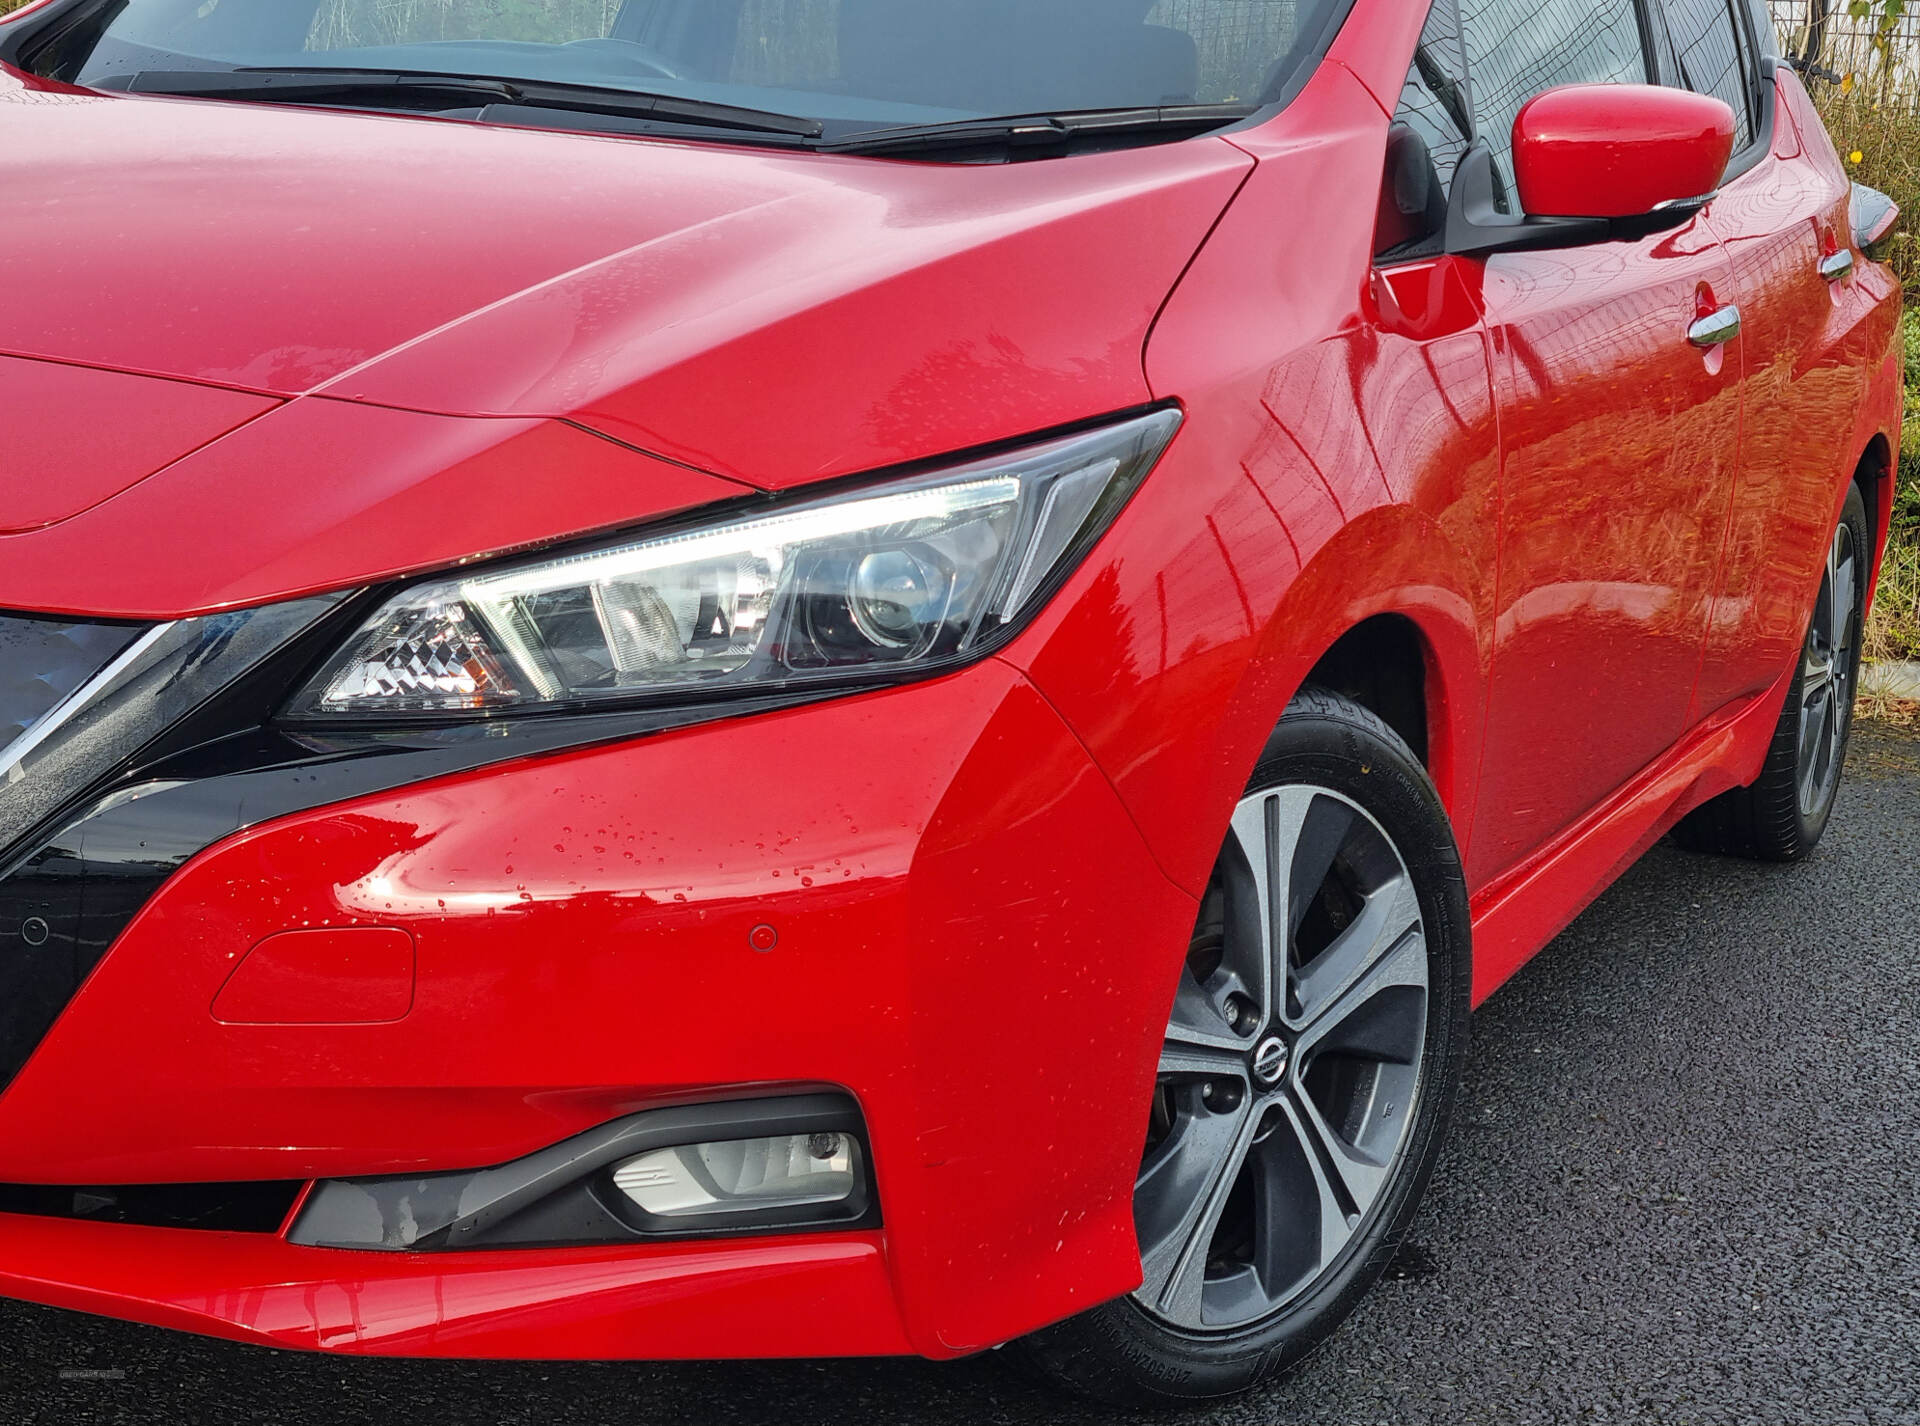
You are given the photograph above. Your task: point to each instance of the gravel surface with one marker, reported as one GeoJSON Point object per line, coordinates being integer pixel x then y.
{"type": "Point", "coordinates": [1682, 1186]}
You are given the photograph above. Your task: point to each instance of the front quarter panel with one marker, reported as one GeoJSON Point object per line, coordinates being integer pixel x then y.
{"type": "Point", "coordinates": [1339, 461]}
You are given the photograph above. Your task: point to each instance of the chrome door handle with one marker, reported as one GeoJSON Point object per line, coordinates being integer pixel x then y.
{"type": "Point", "coordinates": [1839, 267]}
{"type": "Point", "coordinates": [1716, 329]}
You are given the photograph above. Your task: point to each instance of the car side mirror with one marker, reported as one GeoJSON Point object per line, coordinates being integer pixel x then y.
{"type": "Point", "coordinates": [1593, 162]}
{"type": "Point", "coordinates": [1619, 150]}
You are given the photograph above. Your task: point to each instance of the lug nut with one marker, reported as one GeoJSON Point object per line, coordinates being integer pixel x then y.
{"type": "Point", "coordinates": [1220, 1098]}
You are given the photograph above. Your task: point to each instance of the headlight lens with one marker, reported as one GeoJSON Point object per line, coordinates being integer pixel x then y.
{"type": "Point", "coordinates": [908, 577]}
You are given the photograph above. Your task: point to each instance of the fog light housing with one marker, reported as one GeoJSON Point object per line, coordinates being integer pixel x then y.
{"type": "Point", "coordinates": [792, 1163]}
{"type": "Point", "coordinates": [742, 1176]}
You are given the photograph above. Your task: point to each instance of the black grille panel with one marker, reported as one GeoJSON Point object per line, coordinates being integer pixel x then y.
{"type": "Point", "coordinates": [226, 1207]}
{"type": "Point", "coordinates": [43, 662]}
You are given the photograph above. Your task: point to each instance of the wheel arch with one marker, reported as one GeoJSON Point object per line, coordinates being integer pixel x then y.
{"type": "Point", "coordinates": [1875, 474]}
{"type": "Point", "coordinates": [1384, 664]}
{"type": "Point", "coordinates": [1388, 613]}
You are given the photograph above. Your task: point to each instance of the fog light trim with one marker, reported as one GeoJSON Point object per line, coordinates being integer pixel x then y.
{"type": "Point", "coordinates": [570, 1194]}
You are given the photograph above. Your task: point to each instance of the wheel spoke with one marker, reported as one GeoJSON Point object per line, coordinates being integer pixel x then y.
{"type": "Point", "coordinates": [1836, 729]}
{"type": "Point", "coordinates": [1846, 589]}
{"type": "Point", "coordinates": [1190, 1053]}
{"type": "Point", "coordinates": [1322, 988]}
{"type": "Point", "coordinates": [1199, 1017]}
{"type": "Point", "coordinates": [1181, 1193]}
{"type": "Point", "coordinates": [1405, 965]}
{"type": "Point", "coordinates": [1357, 1176]}
{"type": "Point", "coordinates": [1267, 830]}
{"type": "Point", "coordinates": [1812, 716]}
{"type": "Point", "coordinates": [1301, 1220]}
{"type": "Point", "coordinates": [1310, 853]}
{"type": "Point", "coordinates": [1819, 675]}
{"type": "Point", "coordinates": [1252, 913]}
{"type": "Point", "coordinates": [1819, 748]}
{"type": "Point", "coordinates": [1830, 592]}
{"type": "Point", "coordinates": [1824, 726]}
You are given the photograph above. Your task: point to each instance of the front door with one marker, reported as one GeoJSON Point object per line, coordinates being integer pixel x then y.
{"type": "Point", "coordinates": [1619, 437]}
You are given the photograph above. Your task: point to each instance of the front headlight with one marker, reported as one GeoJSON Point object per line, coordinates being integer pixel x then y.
{"type": "Point", "coordinates": [900, 579]}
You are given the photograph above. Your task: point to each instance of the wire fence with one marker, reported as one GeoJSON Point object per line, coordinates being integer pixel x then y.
{"type": "Point", "coordinates": [1828, 35]}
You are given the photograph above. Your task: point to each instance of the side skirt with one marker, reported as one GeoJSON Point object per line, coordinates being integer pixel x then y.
{"type": "Point", "coordinates": [1519, 912]}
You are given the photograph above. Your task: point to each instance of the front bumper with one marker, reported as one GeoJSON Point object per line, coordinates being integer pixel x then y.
{"type": "Point", "coordinates": [828, 1295]}
{"type": "Point", "coordinates": [968, 935]}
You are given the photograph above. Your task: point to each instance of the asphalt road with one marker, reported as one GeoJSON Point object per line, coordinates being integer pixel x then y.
{"type": "Point", "coordinates": [1684, 1185]}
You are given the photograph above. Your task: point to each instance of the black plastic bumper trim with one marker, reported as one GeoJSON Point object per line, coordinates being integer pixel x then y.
{"type": "Point", "coordinates": [212, 1207]}
{"type": "Point", "coordinates": [179, 755]}
{"type": "Point", "coordinates": [563, 1195]}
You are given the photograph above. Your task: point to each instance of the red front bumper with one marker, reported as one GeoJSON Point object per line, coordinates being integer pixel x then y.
{"type": "Point", "coordinates": [971, 938]}
{"type": "Point", "coordinates": [794, 1297]}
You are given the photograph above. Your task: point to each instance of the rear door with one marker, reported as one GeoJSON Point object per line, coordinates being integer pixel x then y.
{"type": "Point", "coordinates": [1619, 439]}
{"type": "Point", "coordinates": [1782, 213]}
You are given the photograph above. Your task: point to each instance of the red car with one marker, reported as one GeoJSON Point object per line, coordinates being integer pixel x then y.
{"type": "Point", "coordinates": [701, 678]}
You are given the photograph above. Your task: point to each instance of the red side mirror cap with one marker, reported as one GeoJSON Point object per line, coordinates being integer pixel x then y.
{"type": "Point", "coordinates": [1619, 150]}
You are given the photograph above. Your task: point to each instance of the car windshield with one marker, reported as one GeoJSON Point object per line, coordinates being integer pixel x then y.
{"type": "Point", "coordinates": [851, 65]}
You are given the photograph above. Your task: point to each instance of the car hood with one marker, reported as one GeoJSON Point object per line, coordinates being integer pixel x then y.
{"type": "Point", "coordinates": [769, 317]}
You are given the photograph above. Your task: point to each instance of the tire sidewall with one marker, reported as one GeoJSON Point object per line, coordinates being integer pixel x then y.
{"type": "Point", "coordinates": [1853, 513]}
{"type": "Point", "coordinates": [1328, 742]}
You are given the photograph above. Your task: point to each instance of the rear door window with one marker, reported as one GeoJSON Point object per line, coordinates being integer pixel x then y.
{"type": "Point", "coordinates": [1709, 42]}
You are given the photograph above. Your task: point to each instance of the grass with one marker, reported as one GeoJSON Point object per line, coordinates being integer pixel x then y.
{"type": "Point", "coordinates": [1878, 135]}
{"type": "Point", "coordinates": [1879, 138]}
{"type": "Point", "coordinates": [1894, 630]}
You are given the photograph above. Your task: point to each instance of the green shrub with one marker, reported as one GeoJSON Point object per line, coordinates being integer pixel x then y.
{"type": "Point", "coordinates": [1879, 142]}
{"type": "Point", "coordinates": [1906, 507]}
{"type": "Point", "coordinates": [1894, 631]}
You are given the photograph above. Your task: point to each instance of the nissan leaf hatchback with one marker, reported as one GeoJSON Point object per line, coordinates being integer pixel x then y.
{"type": "Point", "coordinates": [700, 678]}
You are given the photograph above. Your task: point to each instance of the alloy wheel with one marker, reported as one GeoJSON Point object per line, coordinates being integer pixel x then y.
{"type": "Point", "coordinates": [1291, 1069]}
{"type": "Point", "coordinates": [1827, 674]}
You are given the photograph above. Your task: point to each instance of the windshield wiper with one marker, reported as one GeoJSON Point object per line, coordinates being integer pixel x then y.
{"type": "Point", "coordinates": [1022, 131]}
{"type": "Point", "coordinates": [420, 89]}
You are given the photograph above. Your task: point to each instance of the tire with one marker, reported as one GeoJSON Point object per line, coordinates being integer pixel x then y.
{"type": "Point", "coordinates": [1366, 1012]}
{"type": "Point", "coordinates": [1781, 816]}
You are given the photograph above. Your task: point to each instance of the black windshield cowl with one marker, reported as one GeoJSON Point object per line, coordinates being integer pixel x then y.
{"type": "Point", "coordinates": [420, 90]}
{"type": "Point", "coordinates": [547, 104]}
{"type": "Point", "coordinates": [1042, 132]}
